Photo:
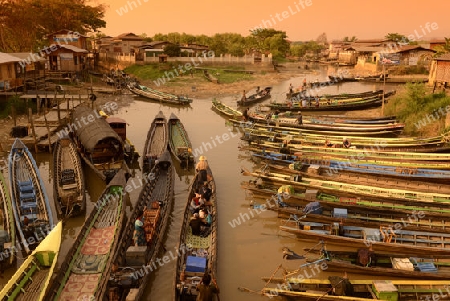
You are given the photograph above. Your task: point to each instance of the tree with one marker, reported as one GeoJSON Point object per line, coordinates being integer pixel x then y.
{"type": "Point", "coordinates": [269, 39]}
{"type": "Point", "coordinates": [145, 38]}
{"type": "Point", "coordinates": [25, 24]}
{"type": "Point", "coordinates": [398, 38]}
{"type": "Point", "coordinates": [322, 39]}
{"type": "Point", "coordinates": [441, 49]}
{"type": "Point", "coordinates": [347, 39]}
{"type": "Point", "coordinates": [172, 50]}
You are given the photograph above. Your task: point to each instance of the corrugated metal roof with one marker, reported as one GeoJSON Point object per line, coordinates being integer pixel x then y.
{"type": "Point", "coordinates": [35, 57]}
{"type": "Point", "coordinates": [89, 132]}
{"type": "Point", "coordinates": [8, 58]}
{"type": "Point", "coordinates": [74, 48]}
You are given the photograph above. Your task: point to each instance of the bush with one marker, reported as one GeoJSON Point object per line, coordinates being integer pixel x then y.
{"type": "Point", "coordinates": [419, 109]}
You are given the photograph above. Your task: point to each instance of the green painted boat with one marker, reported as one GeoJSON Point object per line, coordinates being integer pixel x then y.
{"type": "Point", "coordinates": [299, 288]}
{"type": "Point", "coordinates": [32, 279]}
{"type": "Point", "coordinates": [225, 110]}
{"type": "Point", "coordinates": [85, 272]}
{"type": "Point", "coordinates": [400, 195]}
{"type": "Point", "coordinates": [179, 142]}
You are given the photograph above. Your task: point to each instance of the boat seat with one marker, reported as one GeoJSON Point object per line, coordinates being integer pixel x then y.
{"type": "Point", "coordinates": [28, 206]}
{"type": "Point", "coordinates": [423, 266]}
{"type": "Point", "coordinates": [67, 177]}
{"type": "Point", "coordinates": [26, 191]}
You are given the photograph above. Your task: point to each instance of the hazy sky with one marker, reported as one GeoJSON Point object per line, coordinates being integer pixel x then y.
{"type": "Point", "coordinates": [301, 19]}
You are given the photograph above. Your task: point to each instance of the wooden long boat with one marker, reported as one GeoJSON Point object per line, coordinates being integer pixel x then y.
{"type": "Point", "coordinates": [210, 77]}
{"type": "Point", "coordinates": [256, 97]}
{"type": "Point", "coordinates": [129, 276]}
{"type": "Point", "coordinates": [225, 110]}
{"type": "Point", "coordinates": [364, 179]}
{"type": "Point", "coordinates": [86, 270]}
{"type": "Point", "coordinates": [198, 254]}
{"type": "Point", "coordinates": [157, 141]}
{"type": "Point", "coordinates": [300, 94]}
{"type": "Point", "coordinates": [7, 226]}
{"type": "Point", "coordinates": [415, 243]}
{"type": "Point", "coordinates": [375, 153]}
{"type": "Point", "coordinates": [32, 279]}
{"type": "Point", "coordinates": [99, 145]}
{"type": "Point", "coordinates": [289, 119]}
{"type": "Point", "coordinates": [351, 217]}
{"type": "Point", "coordinates": [262, 139]}
{"type": "Point", "coordinates": [366, 128]}
{"type": "Point", "coordinates": [68, 179]}
{"type": "Point", "coordinates": [362, 104]}
{"type": "Point", "coordinates": [160, 96]}
{"type": "Point", "coordinates": [399, 195]}
{"type": "Point", "coordinates": [262, 132]}
{"type": "Point", "coordinates": [32, 212]}
{"type": "Point", "coordinates": [311, 138]}
{"type": "Point", "coordinates": [422, 268]}
{"type": "Point", "coordinates": [179, 142]}
{"type": "Point", "coordinates": [366, 205]}
{"type": "Point", "coordinates": [297, 288]}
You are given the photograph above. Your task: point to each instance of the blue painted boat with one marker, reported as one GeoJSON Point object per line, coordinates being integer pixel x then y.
{"type": "Point", "coordinates": [30, 204]}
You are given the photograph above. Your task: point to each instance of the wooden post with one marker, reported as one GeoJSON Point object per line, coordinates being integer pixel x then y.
{"type": "Point", "coordinates": [384, 87]}
{"type": "Point", "coordinates": [45, 103]}
{"type": "Point", "coordinates": [57, 108]}
{"type": "Point", "coordinates": [30, 116]}
{"type": "Point", "coordinates": [48, 134]}
{"type": "Point", "coordinates": [38, 104]}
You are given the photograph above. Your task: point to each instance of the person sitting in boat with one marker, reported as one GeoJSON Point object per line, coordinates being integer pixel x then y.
{"type": "Point", "coordinates": [366, 257]}
{"type": "Point", "coordinates": [139, 232]}
{"type": "Point", "coordinates": [258, 90]}
{"type": "Point", "coordinates": [197, 224]}
{"type": "Point", "coordinates": [196, 203]}
{"type": "Point", "coordinates": [328, 143]}
{"type": "Point", "coordinates": [205, 191]}
{"type": "Point", "coordinates": [206, 290]}
{"type": "Point", "coordinates": [346, 143]}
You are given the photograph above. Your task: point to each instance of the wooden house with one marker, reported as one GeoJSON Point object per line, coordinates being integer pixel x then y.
{"type": "Point", "coordinates": [67, 51]}
{"type": "Point", "coordinates": [126, 43]}
{"type": "Point", "coordinates": [440, 71]}
{"type": "Point", "coordinates": [7, 71]}
{"type": "Point", "coordinates": [412, 55]}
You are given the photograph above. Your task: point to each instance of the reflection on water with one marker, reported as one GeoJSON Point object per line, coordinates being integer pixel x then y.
{"type": "Point", "coordinates": [246, 252]}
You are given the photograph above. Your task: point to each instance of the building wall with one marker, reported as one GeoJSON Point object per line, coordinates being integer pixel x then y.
{"type": "Point", "coordinates": [68, 39]}
{"type": "Point", "coordinates": [7, 75]}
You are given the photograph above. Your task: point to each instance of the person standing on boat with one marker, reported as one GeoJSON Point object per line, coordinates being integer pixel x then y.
{"type": "Point", "coordinates": [206, 289]}
{"type": "Point", "coordinates": [201, 168]}
{"type": "Point", "coordinates": [346, 143]}
{"type": "Point", "coordinates": [291, 89]}
{"type": "Point", "coordinates": [139, 232]}
{"type": "Point", "coordinates": [300, 118]}
{"type": "Point", "coordinates": [245, 114]}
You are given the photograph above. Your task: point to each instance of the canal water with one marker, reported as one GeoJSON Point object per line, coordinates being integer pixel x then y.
{"type": "Point", "coordinates": [246, 251]}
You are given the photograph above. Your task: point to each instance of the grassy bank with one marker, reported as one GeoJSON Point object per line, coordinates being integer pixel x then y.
{"type": "Point", "coordinates": [423, 112]}
{"type": "Point", "coordinates": [171, 73]}
{"type": "Point", "coordinates": [20, 105]}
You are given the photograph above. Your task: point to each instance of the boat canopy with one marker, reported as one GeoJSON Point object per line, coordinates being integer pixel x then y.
{"type": "Point", "coordinates": [92, 130]}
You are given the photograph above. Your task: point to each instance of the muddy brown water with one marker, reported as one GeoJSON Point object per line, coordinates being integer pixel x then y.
{"type": "Point", "coordinates": [246, 252]}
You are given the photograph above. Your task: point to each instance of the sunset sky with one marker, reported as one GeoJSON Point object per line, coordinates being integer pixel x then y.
{"type": "Point", "coordinates": [300, 19]}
